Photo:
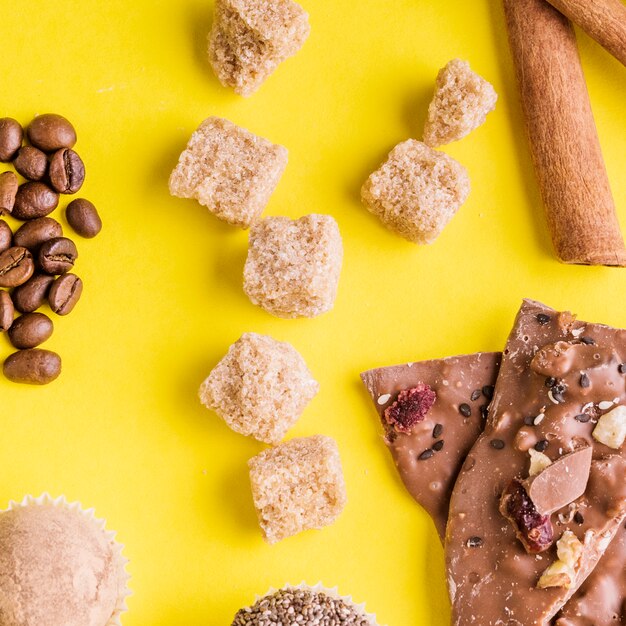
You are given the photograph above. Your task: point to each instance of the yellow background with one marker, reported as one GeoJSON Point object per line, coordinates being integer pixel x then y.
{"type": "Point", "coordinates": [122, 430]}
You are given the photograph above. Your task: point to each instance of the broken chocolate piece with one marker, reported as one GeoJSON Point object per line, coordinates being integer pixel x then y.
{"type": "Point", "coordinates": [410, 407]}
{"type": "Point", "coordinates": [452, 379]}
{"type": "Point", "coordinates": [562, 482]}
{"type": "Point", "coordinates": [507, 573]}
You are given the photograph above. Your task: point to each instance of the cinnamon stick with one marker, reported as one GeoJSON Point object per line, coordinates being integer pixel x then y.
{"type": "Point", "coordinates": [604, 20]}
{"type": "Point", "coordinates": [563, 138]}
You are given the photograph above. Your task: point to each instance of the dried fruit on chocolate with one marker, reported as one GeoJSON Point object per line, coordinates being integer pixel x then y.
{"type": "Point", "coordinates": [611, 428]}
{"type": "Point", "coordinates": [532, 529]}
{"type": "Point", "coordinates": [410, 407]}
{"type": "Point", "coordinates": [562, 573]}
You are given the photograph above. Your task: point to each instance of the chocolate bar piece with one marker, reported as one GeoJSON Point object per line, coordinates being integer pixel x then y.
{"type": "Point", "coordinates": [558, 377]}
{"type": "Point", "coordinates": [429, 452]}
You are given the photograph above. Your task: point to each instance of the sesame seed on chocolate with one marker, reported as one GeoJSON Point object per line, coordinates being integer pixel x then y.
{"type": "Point", "coordinates": [474, 542]}
{"type": "Point", "coordinates": [497, 444]}
{"type": "Point", "coordinates": [529, 420]}
{"type": "Point", "coordinates": [543, 319]}
{"type": "Point", "coordinates": [582, 417]}
{"type": "Point", "coordinates": [475, 395]}
{"type": "Point", "coordinates": [589, 341]}
{"type": "Point", "coordinates": [438, 446]}
{"type": "Point", "coordinates": [550, 382]}
{"type": "Point", "coordinates": [578, 518]}
{"type": "Point", "coordinates": [484, 411]}
{"type": "Point", "coordinates": [437, 430]}
{"type": "Point", "coordinates": [427, 454]}
{"type": "Point", "coordinates": [488, 391]}
{"type": "Point", "coordinates": [465, 409]}
{"type": "Point", "coordinates": [542, 445]}
{"type": "Point", "coordinates": [621, 368]}
{"type": "Point", "coordinates": [584, 381]}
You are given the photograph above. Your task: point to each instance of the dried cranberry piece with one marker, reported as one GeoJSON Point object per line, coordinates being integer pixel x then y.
{"type": "Point", "coordinates": [410, 407]}
{"type": "Point", "coordinates": [533, 530]}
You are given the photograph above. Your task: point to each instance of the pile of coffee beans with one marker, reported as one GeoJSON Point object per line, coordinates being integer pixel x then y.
{"type": "Point", "coordinates": [36, 260]}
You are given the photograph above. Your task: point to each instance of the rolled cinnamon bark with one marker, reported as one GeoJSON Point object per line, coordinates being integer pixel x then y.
{"type": "Point", "coordinates": [604, 20]}
{"type": "Point", "coordinates": [563, 137]}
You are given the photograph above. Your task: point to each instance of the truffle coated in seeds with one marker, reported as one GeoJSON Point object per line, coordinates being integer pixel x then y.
{"type": "Point", "coordinates": [228, 170]}
{"type": "Point", "coordinates": [297, 486]}
{"type": "Point", "coordinates": [461, 103]}
{"type": "Point", "coordinates": [416, 191]}
{"type": "Point", "coordinates": [250, 38]}
{"type": "Point", "coordinates": [260, 387]}
{"type": "Point", "coordinates": [293, 266]}
{"type": "Point", "coordinates": [302, 606]}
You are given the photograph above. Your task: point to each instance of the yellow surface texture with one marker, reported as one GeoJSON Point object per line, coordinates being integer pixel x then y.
{"type": "Point", "coordinates": [122, 429]}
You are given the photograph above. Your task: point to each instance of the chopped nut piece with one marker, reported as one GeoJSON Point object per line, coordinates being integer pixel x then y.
{"type": "Point", "coordinates": [562, 573]}
{"type": "Point", "coordinates": [611, 428]}
{"type": "Point", "coordinates": [538, 462]}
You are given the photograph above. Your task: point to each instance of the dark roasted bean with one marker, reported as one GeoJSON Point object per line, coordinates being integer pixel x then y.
{"type": "Point", "coordinates": [33, 293]}
{"type": "Point", "coordinates": [83, 217]}
{"type": "Point", "coordinates": [16, 267]}
{"type": "Point", "coordinates": [34, 367]}
{"type": "Point", "coordinates": [50, 132]}
{"type": "Point", "coordinates": [57, 256]}
{"type": "Point", "coordinates": [8, 190]}
{"type": "Point", "coordinates": [31, 163]}
{"type": "Point", "coordinates": [7, 311]}
{"type": "Point", "coordinates": [30, 330]}
{"type": "Point", "coordinates": [67, 171]}
{"type": "Point", "coordinates": [35, 232]}
{"type": "Point", "coordinates": [11, 137]}
{"type": "Point", "coordinates": [65, 293]}
{"type": "Point", "coordinates": [34, 199]}
{"type": "Point", "coordinates": [6, 236]}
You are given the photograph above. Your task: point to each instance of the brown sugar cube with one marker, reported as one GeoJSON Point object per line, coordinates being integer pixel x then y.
{"type": "Point", "coordinates": [260, 387]}
{"type": "Point", "coordinates": [297, 486]}
{"type": "Point", "coordinates": [416, 191]}
{"type": "Point", "coordinates": [251, 38]}
{"type": "Point", "coordinates": [293, 266]}
{"type": "Point", "coordinates": [229, 170]}
{"type": "Point", "coordinates": [461, 103]}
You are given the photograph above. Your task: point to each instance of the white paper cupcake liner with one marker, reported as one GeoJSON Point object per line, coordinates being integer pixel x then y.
{"type": "Point", "coordinates": [123, 576]}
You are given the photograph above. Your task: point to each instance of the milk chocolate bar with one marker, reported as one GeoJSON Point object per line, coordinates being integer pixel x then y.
{"type": "Point", "coordinates": [558, 378]}
{"type": "Point", "coordinates": [429, 443]}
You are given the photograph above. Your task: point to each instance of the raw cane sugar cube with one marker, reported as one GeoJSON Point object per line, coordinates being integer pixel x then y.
{"type": "Point", "coordinates": [461, 103]}
{"type": "Point", "coordinates": [260, 387]}
{"type": "Point", "coordinates": [228, 170]}
{"type": "Point", "coordinates": [416, 191]}
{"type": "Point", "coordinates": [251, 38]}
{"type": "Point", "coordinates": [297, 486]}
{"type": "Point", "coordinates": [293, 266]}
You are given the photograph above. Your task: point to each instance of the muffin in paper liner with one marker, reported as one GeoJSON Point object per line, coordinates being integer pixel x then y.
{"type": "Point", "coordinates": [352, 615]}
{"type": "Point", "coordinates": [47, 591]}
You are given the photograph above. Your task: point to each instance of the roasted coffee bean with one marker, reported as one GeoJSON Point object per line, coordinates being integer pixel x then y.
{"type": "Point", "coordinates": [57, 256]}
{"type": "Point", "coordinates": [65, 293]}
{"type": "Point", "coordinates": [31, 163]}
{"type": "Point", "coordinates": [6, 236]}
{"type": "Point", "coordinates": [50, 132]}
{"type": "Point", "coordinates": [34, 200]}
{"type": "Point", "coordinates": [33, 367]}
{"type": "Point", "coordinates": [30, 330]}
{"type": "Point", "coordinates": [67, 171]}
{"type": "Point", "coordinates": [7, 311]}
{"type": "Point", "coordinates": [8, 190]}
{"type": "Point", "coordinates": [83, 217]}
{"type": "Point", "coordinates": [35, 232]}
{"type": "Point", "coordinates": [16, 267]}
{"type": "Point", "coordinates": [33, 293]}
{"type": "Point", "coordinates": [11, 136]}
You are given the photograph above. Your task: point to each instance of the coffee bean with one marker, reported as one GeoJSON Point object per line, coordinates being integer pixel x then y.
{"type": "Point", "coordinates": [35, 232]}
{"type": "Point", "coordinates": [7, 311]}
{"type": "Point", "coordinates": [57, 256]}
{"type": "Point", "coordinates": [65, 293]}
{"type": "Point", "coordinates": [16, 267]}
{"type": "Point", "coordinates": [30, 330]}
{"type": "Point", "coordinates": [33, 293]}
{"type": "Point", "coordinates": [50, 132]}
{"type": "Point", "coordinates": [6, 236]}
{"type": "Point", "coordinates": [34, 367]}
{"type": "Point", "coordinates": [83, 217]}
{"type": "Point", "coordinates": [33, 200]}
{"type": "Point", "coordinates": [8, 190]}
{"type": "Point", "coordinates": [31, 163]}
{"type": "Point", "coordinates": [67, 171]}
{"type": "Point", "coordinates": [11, 136]}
